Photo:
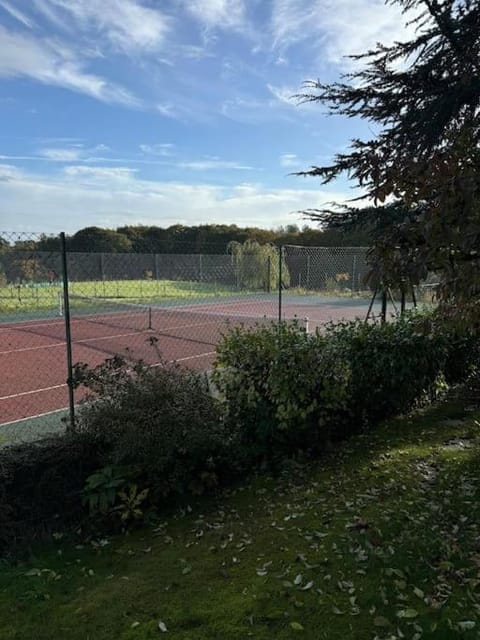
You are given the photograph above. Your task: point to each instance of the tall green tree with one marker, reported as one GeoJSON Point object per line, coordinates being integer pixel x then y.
{"type": "Point", "coordinates": [257, 266]}
{"type": "Point", "coordinates": [423, 98]}
{"type": "Point", "coordinates": [97, 240]}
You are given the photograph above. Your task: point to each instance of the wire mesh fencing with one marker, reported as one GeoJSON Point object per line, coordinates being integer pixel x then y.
{"type": "Point", "coordinates": [335, 271]}
{"type": "Point", "coordinates": [32, 337]}
{"type": "Point", "coordinates": [59, 308]}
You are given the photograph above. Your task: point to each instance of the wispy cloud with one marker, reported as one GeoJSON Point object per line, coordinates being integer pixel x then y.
{"type": "Point", "coordinates": [168, 110]}
{"type": "Point", "coordinates": [221, 14]}
{"type": "Point", "coordinates": [99, 173]}
{"type": "Point", "coordinates": [213, 164]}
{"type": "Point", "coordinates": [17, 14]}
{"type": "Point", "coordinates": [160, 149]}
{"type": "Point", "coordinates": [283, 94]}
{"type": "Point", "coordinates": [9, 172]}
{"type": "Point", "coordinates": [53, 63]}
{"type": "Point", "coordinates": [128, 25]}
{"type": "Point", "coordinates": [61, 155]}
{"type": "Point", "coordinates": [335, 28]}
{"type": "Point", "coordinates": [289, 161]}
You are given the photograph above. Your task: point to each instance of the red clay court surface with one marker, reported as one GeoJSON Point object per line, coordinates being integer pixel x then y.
{"type": "Point", "coordinates": [33, 355]}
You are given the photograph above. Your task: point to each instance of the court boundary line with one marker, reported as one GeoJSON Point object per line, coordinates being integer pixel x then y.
{"type": "Point", "coordinates": [37, 415]}
{"type": "Point", "coordinates": [64, 384]}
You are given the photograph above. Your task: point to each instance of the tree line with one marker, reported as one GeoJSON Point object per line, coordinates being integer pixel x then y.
{"type": "Point", "coordinates": [204, 239]}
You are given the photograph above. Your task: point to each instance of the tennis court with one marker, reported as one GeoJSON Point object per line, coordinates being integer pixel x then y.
{"type": "Point", "coordinates": [33, 353]}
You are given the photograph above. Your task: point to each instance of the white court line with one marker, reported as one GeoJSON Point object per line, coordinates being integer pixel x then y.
{"type": "Point", "coordinates": [21, 324]}
{"type": "Point", "coordinates": [37, 415]}
{"type": "Point", "coordinates": [27, 393]}
{"type": "Point", "coordinates": [118, 335]}
{"type": "Point", "coordinates": [200, 355]}
{"type": "Point", "coordinates": [62, 344]}
{"type": "Point", "coordinates": [41, 346]}
{"type": "Point", "coordinates": [59, 386]}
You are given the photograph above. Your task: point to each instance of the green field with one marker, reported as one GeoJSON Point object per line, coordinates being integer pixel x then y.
{"type": "Point", "coordinates": [31, 298]}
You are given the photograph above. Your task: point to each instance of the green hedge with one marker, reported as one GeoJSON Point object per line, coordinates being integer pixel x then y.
{"type": "Point", "coordinates": [392, 367]}
{"type": "Point", "coordinates": [281, 387]}
{"type": "Point", "coordinates": [40, 488]}
{"type": "Point", "coordinates": [286, 391]}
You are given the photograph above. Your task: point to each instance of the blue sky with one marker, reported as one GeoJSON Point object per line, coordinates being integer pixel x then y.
{"type": "Point", "coordinates": [160, 112]}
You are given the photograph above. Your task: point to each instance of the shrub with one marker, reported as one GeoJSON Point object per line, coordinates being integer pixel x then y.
{"type": "Point", "coordinates": [40, 487]}
{"type": "Point", "coordinates": [161, 423]}
{"type": "Point", "coordinates": [392, 366]}
{"type": "Point", "coordinates": [281, 388]}
{"type": "Point", "coordinates": [284, 390]}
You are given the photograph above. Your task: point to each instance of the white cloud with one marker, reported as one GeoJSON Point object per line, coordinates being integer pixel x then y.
{"type": "Point", "coordinates": [50, 62]}
{"type": "Point", "coordinates": [127, 24]}
{"type": "Point", "coordinates": [167, 110]}
{"type": "Point", "coordinates": [17, 14]}
{"type": "Point", "coordinates": [9, 172]}
{"type": "Point", "coordinates": [222, 14]}
{"type": "Point", "coordinates": [289, 160]}
{"type": "Point", "coordinates": [62, 155]}
{"type": "Point", "coordinates": [82, 196]}
{"type": "Point", "coordinates": [101, 174]}
{"type": "Point", "coordinates": [159, 149]}
{"type": "Point", "coordinates": [283, 94]}
{"type": "Point", "coordinates": [213, 163]}
{"type": "Point", "coordinates": [336, 28]}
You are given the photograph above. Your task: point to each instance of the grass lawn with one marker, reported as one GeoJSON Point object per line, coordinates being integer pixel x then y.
{"type": "Point", "coordinates": [381, 539]}
{"type": "Point", "coordinates": [32, 298]}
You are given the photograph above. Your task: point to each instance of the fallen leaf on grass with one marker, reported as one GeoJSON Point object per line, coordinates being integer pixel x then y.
{"type": "Point", "coordinates": [296, 626]}
{"type": "Point", "coordinates": [407, 613]}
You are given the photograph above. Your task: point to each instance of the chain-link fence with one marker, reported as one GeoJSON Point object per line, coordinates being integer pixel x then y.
{"type": "Point", "coordinates": [336, 271]}
{"type": "Point", "coordinates": [58, 308]}
{"type": "Point", "coordinates": [32, 336]}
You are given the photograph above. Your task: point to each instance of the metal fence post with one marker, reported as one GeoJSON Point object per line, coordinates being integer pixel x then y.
{"type": "Point", "coordinates": [384, 305]}
{"type": "Point", "coordinates": [354, 270]}
{"type": "Point", "coordinates": [280, 276]}
{"type": "Point", "coordinates": [68, 334]}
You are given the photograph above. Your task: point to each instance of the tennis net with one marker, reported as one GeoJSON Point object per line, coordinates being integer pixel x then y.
{"type": "Point", "coordinates": [204, 324]}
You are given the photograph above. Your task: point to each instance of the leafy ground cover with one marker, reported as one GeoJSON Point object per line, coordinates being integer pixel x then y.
{"type": "Point", "coordinates": [379, 539]}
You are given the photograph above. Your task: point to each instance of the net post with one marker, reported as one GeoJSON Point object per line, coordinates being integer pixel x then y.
{"type": "Point", "coordinates": [68, 334]}
{"type": "Point", "coordinates": [280, 277]}
{"type": "Point", "coordinates": [384, 305]}
{"type": "Point", "coordinates": [305, 321]}
{"type": "Point", "coordinates": [269, 273]}
{"type": "Point", "coordinates": [402, 302]}
{"type": "Point", "coordinates": [354, 270]}
{"type": "Point", "coordinates": [150, 326]}
{"type": "Point", "coordinates": [414, 297]}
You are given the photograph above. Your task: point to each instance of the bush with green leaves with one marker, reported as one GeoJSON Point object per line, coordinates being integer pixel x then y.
{"type": "Point", "coordinates": [257, 265]}
{"type": "Point", "coordinates": [392, 366]}
{"type": "Point", "coordinates": [462, 345]}
{"type": "Point", "coordinates": [285, 391]}
{"type": "Point", "coordinates": [282, 389]}
{"type": "Point", "coordinates": [41, 486]}
{"type": "Point", "coordinates": [160, 423]}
